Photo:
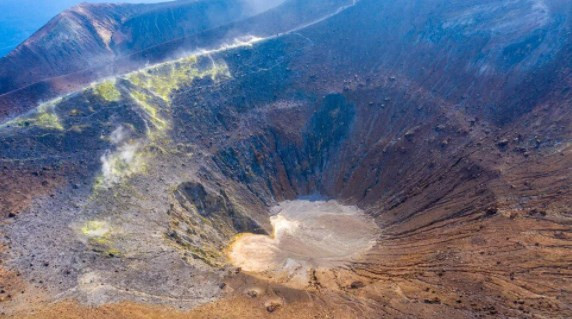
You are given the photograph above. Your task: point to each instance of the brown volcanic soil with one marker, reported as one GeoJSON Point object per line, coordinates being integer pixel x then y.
{"type": "Point", "coordinates": [23, 185]}
{"type": "Point", "coordinates": [488, 267]}
{"type": "Point", "coordinates": [469, 181]}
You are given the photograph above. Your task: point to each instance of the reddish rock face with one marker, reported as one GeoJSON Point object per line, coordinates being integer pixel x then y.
{"type": "Point", "coordinates": [446, 122]}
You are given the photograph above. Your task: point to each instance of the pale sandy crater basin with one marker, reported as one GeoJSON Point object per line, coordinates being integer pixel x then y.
{"type": "Point", "coordinates": [307, 235]}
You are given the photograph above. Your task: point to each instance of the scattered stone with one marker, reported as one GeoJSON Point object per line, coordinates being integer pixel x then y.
{"type": "Point", "coordinates": [520, 149]}
{"type": "Point", "coordinates": [491, 211]}
{"type": "Point", "coordinates": [409, 135]}
{"type": "Point", "coordinates": [433, 301]}
{"type": "Point", "coordinates": [537, 212]}
{"type": "Point", "coordinates": [502, 143]}
{"type": "Point", "coordinates": [560, 235]}
{"type": "Point", "coordinates": [357, 285]}
{"type": "Point", "coordinates": [272, 306]}
{"type": "Point", "coordinates": [11, 215]}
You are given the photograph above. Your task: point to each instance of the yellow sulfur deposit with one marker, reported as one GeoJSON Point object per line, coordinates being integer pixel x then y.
{"type": "Point", "coordinates": [95, 229]}
{"type": "Point", "coordinates": [107, 91]}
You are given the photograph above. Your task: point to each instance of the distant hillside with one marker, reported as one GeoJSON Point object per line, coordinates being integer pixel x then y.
{"type": "Point", "coordinates": [91, 34]}
{"type": "Point", "coordinates": [91, 41]}
{"type": "Point", "coordinates": [22, 18]}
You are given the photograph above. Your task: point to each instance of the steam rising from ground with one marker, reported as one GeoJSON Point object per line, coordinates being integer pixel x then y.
{"type": "Point", "coordinates": [123, 162]}
{"type": "Point", "coordinates": [307, 235]}
{"type": "Point", "coordinates": [238, 42]}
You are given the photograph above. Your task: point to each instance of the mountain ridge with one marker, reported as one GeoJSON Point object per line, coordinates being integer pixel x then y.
{"type": "Point", "coordinates": [267, 23]}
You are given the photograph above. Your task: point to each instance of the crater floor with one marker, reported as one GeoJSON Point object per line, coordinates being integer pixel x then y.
{"type": "Point", "coordinates": [306, 235]}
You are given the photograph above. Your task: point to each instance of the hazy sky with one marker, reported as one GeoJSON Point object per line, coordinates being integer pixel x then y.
{"type": "Point", "coordinates": [20, 18]}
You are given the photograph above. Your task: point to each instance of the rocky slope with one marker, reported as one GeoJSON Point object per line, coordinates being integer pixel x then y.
{"type": "Point", "coordinates": [89, 36]}
{"type": "Point", "coordinates": [446, 121]}
{"type": "Point", "coordinates": [91, 42]}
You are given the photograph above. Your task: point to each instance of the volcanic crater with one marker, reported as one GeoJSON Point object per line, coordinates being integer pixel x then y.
{"type": "Point", "coordinates": [386, 160]}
